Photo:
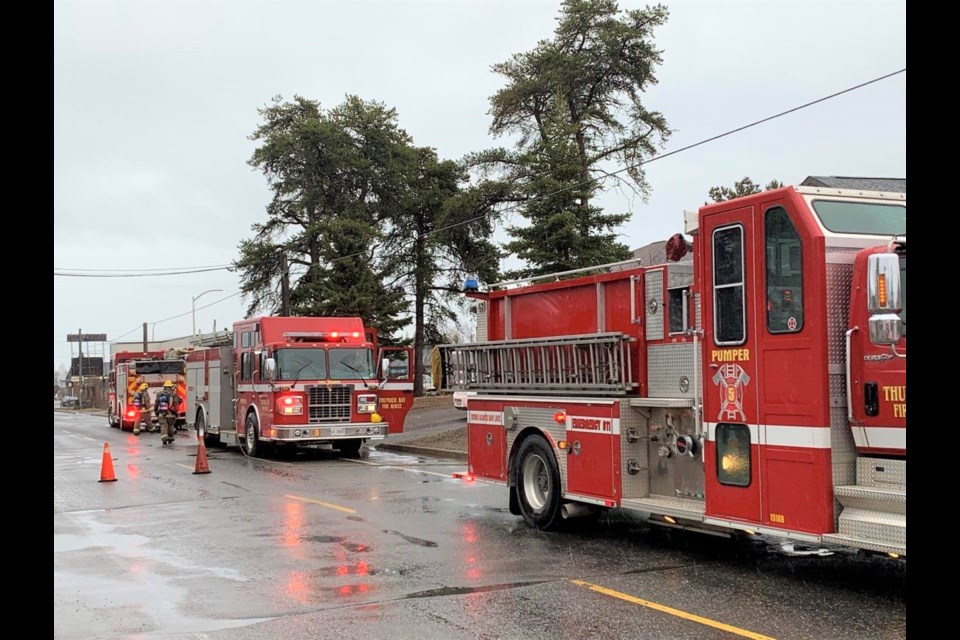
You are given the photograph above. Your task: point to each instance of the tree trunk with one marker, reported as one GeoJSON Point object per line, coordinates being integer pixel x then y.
{"type": "Point", "coordinates": [420, 295]}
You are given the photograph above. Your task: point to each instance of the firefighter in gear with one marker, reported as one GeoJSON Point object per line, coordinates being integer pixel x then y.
{"type": "Point", "coordinates": [141, 400]}
{"type": "Point", "coordinates": [166, 408]}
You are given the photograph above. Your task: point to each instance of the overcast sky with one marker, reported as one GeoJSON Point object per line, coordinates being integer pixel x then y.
{"type": "Point", "coordinates": [154, 103]}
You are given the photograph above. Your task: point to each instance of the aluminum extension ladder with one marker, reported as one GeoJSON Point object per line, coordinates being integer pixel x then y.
{"type": "Point", "coordinates": [222, 339]}
{"type": "Point", "coordinates": [593, 364]}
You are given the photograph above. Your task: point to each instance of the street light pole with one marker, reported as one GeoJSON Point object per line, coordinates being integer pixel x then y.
{"type": "Point", "coordinates": [193, 308]}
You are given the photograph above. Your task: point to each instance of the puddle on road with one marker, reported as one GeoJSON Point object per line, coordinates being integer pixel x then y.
{"type": "Point", "coordinates": [135, 590]}
{"type": "Point", "coordinates": [459, 591]}
{"type": "Point", "coordinates": [133, 547]}
{"type": "Point", "coordinates": [135, 607]}
{"type": "Point", "coordinates": [417, 541]}
{"type": "Point", "coordinates": [324, 539]}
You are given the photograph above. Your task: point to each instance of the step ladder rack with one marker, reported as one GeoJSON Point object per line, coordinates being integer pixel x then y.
{"type": "Point", "coordinates": [597, 364]}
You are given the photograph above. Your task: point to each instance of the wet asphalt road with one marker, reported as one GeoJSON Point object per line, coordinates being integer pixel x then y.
{"type": "Point", "coordinates": [390, 546]}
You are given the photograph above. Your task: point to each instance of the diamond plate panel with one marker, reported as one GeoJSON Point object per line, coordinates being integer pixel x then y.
{"type": "Point", "coordinates": [839, 277]}
{"type": "Point", "coordinates": [678, 507]}
{"type": "Point", "coordinates": [636, 485]}
{"type": "Point", "coordinates": [877, 472]}
{"type": "Point", "coordinates": [699, 311]}
{"type": "Point", "coordinates": [838, 386]}
{"type": "Point", "coordinates": [666, 364]}
{"type": "Point", "coordinates": [885, 528]}
{"type": "Point", "coordinates": [859, 543]}
{"type": "Point", "coordinates": [873, 498]}
{"type": "Point", "coordinates": [842, 450]}
{"type": "Point", "coordinates": [653, 290]}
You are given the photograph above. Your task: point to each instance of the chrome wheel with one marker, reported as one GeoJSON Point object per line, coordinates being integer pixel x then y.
{"type": "Point", "coordinates": [536, 482]}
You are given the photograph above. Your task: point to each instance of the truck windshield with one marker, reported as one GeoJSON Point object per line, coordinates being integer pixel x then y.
{"type": "Point", "coordinates": [161, 367]}
{"type": "Point", "coordinates": [302, 364]}
{"type": "Point", "coordinates": [350, 364]}
{"type": "Point", "coordinates": [863, 218]}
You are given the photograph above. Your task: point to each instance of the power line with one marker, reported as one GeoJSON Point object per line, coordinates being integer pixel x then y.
{"type": "Point", "coordinates": [508, 208]}
{"type": "Point", "coordinates": [139, 275]}
{"type": "Point", "coordinates": [204, 266]}
{"type": "Point", "coordinates": [676, 151]}
{"type": "Point", "coordinates": [137, 328]}
{"type": "Point", "coordinates": [181, 315]}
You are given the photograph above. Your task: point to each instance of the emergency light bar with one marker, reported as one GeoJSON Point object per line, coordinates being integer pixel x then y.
{"type": "Point", "coordinates": [319, 335]}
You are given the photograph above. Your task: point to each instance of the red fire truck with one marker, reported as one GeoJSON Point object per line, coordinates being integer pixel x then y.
{"type": "Point", "coordinates": [754, 382]}
{"type": "Point", "coordinates": [297, 381]}
{"type": "Point", "coordinates": [129, 369]}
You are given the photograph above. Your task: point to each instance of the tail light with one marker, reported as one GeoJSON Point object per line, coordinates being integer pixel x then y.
{"type": "Point", "coordinates": [290, 405]}
{"type": "Point", "coordinates": [131, 413]}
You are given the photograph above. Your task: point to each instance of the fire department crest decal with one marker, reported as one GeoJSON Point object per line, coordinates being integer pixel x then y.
{"type": "Point", "coordinates": [731, 379]}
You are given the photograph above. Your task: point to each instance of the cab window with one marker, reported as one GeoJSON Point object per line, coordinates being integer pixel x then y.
{"type": "Point", "coordinates": [246, 365]}
{"type": "Point", "coordinates": [784, 273]}
{"type": "Point", "coordinates": [728, 286]}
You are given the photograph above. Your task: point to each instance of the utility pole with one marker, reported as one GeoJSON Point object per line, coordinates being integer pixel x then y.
{"type": "Point", "coordinates": [284, 285]}
{"type": "Point", "coordinates": [145, 337]}
{"type": "Point", "coordinates": [80, 353]}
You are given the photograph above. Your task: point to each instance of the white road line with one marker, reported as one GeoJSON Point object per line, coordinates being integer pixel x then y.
{"type": "Point", "coordinates": [390, 466]}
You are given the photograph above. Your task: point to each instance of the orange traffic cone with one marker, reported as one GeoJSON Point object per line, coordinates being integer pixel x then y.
{"type": "Point", "coordinates": [202, 466]}
{"type": "Point", "coordinates": [106, 468]}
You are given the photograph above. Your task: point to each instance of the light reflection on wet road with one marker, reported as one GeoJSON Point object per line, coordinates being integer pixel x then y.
{"type": "Point", "coordinates": [393, 546]}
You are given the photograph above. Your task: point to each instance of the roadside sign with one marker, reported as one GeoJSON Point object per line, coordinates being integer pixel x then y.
{"type": "Point", "coordinates": [87, 337]}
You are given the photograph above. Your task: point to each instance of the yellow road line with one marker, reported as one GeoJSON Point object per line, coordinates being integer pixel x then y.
{"type": "Point", "coordinates": [674, 612]}
{"type": "Point", "coordinates": [321, 503]}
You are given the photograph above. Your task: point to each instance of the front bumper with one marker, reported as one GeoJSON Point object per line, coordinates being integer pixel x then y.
{"type": "Point", "coordinates": [316, 433]}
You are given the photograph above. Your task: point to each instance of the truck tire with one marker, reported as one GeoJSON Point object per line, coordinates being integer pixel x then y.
{"type": "Point", "coordinates": [110, 417]}
{"type": "Point", "coordinates": [251, 431]}
{"type": "Point", "coordinates": [209, 439]}
{"type": "Point", "coordinates": [350, 448]}
{"type": "Point", "coordinates": [538, 484]}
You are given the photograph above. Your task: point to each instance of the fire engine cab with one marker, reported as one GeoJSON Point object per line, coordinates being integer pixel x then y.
{"type": "Point", "coordinates": [297, 381]}
{"type": "Point", "coordinates": [754, 382]}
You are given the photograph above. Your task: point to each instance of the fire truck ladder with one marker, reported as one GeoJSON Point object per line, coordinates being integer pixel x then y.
{"type": "Point", "coordinates": [594, 364]}
{"type": "Point", "coordinates": [221, 339]}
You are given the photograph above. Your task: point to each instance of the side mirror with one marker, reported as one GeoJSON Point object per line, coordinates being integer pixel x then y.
{"type": "Point", "coordinates": [385, 368]}
{"type": "Point", "coordinates": [886, 329]}
{"type": "Point", "coordinates": [884, 298]}
{"type": "Point", "coordinates": [269, 369]}
{"type": "Point", "coordinates": [883, 283]}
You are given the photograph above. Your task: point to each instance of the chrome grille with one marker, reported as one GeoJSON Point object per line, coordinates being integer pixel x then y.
{"type": "Point", "coordinates": [329, 404]}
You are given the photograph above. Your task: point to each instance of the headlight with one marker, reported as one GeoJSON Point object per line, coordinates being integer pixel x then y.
{"type": "Point", "coordinates": [366, 403]}
{"type": "Point", "coordinates": [290, 405]}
